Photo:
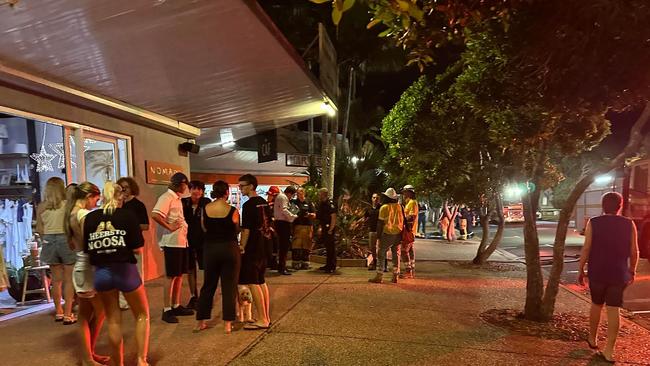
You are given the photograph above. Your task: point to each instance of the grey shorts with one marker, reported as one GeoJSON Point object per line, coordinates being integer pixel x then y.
{"type": "Point", "coordinates": [56, 250]}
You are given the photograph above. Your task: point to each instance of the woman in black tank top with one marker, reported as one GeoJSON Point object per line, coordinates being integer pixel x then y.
{"type": "Point", "coordinates": [221, 256]}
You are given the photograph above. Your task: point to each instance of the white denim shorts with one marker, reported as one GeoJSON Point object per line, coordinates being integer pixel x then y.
{"type": "Point", "coordinates": [83, 276]}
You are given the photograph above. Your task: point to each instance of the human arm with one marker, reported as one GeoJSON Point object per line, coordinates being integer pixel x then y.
{"type": "Point", "coordinates": [634, 253]}
{"type": "Point", "coordinates": [235, 220]}
{"type": "Point", "coordinates": [332, 223]}
{"type": "Point", "coordinates": [160, 220]}
{"type": "Point", "coordinates": [245, 234]}
{"type": "Point", "coordinates": [584, 254]}
{"type": "Point", "coordinates": [380, 227]}
{"type": "Point", "coordinates": [283, 203]}
{"type": "Point", "coordinates": [39, 219]}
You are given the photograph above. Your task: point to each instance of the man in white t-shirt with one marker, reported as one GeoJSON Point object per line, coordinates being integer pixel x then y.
{"type": "Point", "coordinates": [172, 239]}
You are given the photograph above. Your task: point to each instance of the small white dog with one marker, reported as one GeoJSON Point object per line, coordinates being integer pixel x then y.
{"type": "Point", "coordinates": [245, 304]}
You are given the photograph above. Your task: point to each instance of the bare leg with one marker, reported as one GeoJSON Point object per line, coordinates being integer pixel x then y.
{"type": "Point", "coordinates": [85, 333]}
{"type": "Point", "coordinates": [594, 323]}
{"type": "Point", "coordinates": [613, 323]}
{"type": "Point", "coordinates": [167, 289]}
{"type": "Point", "coordinates": [267, 302]}
{"type": "Point", "coordinates": [68, 289]}
{"type": "Point", "coordinates": [260, 307]}
{"type": "Point", "coordinates": [99, 315]}
{"type": "Point", "coordinates": [114, 319]}
{"type": "Point", "coordinates": [57, 281]}
{"type": "Point", "coordinates": [177, 285]}
{"type": "Point", "coordinates": [191, 280]}
{"type": "Point", "coordinates": [140, 307]}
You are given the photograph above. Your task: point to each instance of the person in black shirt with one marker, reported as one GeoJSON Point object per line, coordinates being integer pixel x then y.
{"type": "Point", "coordinates": [222, 257]}
{"type": "Point", "coordinates": [131, 190]}
{"type": "Point", "coordinates": [255, 234]}
{"type": "Point", "coordinates": [111, 235]}
{"type": "Point", "coordinates": [302, 231]}
{"type": "Point", "coordinates": [326, 216]}
{"type": "Point", "coordinates": [372, 216]}
{"type": "Point", "coordinates": [192, 210]}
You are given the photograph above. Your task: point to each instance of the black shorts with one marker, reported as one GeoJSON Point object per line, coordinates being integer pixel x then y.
{"type": "Point", "coordinates": [195, 254]}
{"type": "Point", "coordinates": [611, 295]}
{"type": "Point", "coordinates": [176, 261]}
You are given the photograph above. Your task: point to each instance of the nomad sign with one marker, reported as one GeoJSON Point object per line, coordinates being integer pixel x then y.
{"type": "Point", "coordinates": [160, 172]}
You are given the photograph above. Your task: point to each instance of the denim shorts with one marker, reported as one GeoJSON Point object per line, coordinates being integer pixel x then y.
{"type": "Point", "coordinates": [117, 276]}
{"type": "Point", "coordinates": [56, 250]}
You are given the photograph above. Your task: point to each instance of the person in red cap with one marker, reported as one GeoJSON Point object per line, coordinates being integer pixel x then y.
{"type": "Point", "coordinates": [272, 252]}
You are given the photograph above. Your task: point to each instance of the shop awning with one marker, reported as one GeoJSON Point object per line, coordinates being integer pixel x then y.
{"type": "Point", "coordinates": [176, 65]}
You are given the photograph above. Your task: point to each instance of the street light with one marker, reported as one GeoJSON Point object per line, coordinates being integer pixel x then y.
{"type": "Point", "coordinates": [329, 110]}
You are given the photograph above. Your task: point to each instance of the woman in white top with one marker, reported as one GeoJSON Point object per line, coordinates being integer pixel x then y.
{"type": "Point", "coordinates": [50, 220]}
{"type": "Point", "coordinates": [81, 200]}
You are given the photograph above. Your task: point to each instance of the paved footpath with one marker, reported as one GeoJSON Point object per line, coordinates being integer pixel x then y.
{"type": "Point", "coordinates": [342, 319]}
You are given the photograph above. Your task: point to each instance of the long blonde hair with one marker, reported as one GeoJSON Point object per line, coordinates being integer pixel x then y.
{"type": "Point", "coordinates": [54, 193]}
{"type": "Point", "coordinates": [76, 194]}
{"type": "Point", "coordinates": [110, 197]}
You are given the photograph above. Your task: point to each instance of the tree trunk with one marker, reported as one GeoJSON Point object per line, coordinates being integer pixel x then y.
{"type": "Point", "coordinates": [634, 143]}
{"type": "Point", "coordinates": [534, 277]}
{"type": "Point", "coordinates": [483, 255]}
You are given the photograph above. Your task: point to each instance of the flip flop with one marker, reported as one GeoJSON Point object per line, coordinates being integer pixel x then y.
{"type": "Point", "coordinates": [255, 327]}
{"type": "Point", "coordinates": [58, 317]}
{"type": "Point", "coordinates": [591, 345]}
{"type": "Point", "coordinates": [69, 320]}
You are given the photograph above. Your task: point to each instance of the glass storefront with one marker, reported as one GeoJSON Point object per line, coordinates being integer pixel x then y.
{"type": "Point", "coordinates": [33, 151]}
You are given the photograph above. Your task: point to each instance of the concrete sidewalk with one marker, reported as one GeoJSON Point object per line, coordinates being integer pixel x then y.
{"type": "Point", "coordinates": [342, 319]}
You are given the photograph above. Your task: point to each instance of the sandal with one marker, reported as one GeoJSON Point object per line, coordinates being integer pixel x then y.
{"type": "Point", "coordinates": [255, 327]}
{"type": "Point", "coordinates": [58, 317]}
{"type": "Point", "coordinates": [67, 320]}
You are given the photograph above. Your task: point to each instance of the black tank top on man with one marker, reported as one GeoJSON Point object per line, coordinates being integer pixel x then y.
{"type": "Point", "coordinates": [219, 229]}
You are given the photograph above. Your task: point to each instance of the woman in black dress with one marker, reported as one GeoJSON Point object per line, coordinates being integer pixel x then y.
{"type": "Point", "coordinates": [221, 257]}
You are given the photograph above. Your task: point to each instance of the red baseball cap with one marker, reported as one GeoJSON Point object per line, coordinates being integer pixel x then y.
{"type": "Point", "coordinates": [274, 190]}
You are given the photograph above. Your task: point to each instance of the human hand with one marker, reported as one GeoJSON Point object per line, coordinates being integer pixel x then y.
{"type": "Point", "coordinates": [175, 225]}
{"type": "Point", "coordinates": [241, 249]}
{"type": "Point", "coordinates": [581, 278]}
{"type": "Point", "coordinates": [632, 275]}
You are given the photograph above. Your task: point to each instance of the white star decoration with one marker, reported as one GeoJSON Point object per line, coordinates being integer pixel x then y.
{"type": "Point", "coordinates": [60, 154]}
{"type": "Point", "coordinates": [43, 160]}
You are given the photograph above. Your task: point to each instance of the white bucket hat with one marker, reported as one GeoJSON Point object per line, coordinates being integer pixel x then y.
{"type": "Point", "coordinates": [390, 193]}
{"type": "Point", "coordinates": [408, 187]}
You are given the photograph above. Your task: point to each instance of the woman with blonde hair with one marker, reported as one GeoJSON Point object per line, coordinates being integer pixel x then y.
{"type": "Point", "coordinates": [80, 201]}
{"type": "Point", "coordinates": [50, 219]}
{"type": "Point", "coordinates": [111, 236]}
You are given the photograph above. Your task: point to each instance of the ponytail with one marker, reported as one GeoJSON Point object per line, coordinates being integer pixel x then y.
{"type": "Point", "coordinates": [110, 201]}
{"type": "Point", "coordinates": [74, 194]}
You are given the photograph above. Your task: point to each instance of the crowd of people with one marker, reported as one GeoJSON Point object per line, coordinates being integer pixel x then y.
{"type": "Point", "coordinates": [95, 253]}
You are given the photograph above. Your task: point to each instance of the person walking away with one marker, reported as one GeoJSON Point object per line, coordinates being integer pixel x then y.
{"type": "Point", "coordinates": [80, 200]}
{"type": "Point", "coordinates": [423, 209]}
{"type": "Point", "coordinates": [192, 211]}
{"type": "Point", "coordinates": [112, 235]}
{"type": "Point", "coordinates": [222, 258]}
{"type": "Point", "coordinates": [611, 253]}
{"type": "Point", "coordinates": [172, 239]}
{"type": "Point", "coordinates": [273, 245]}
{"type": "Point", "coordinates": [283, 219]}
{"type": "Point", "coordinates": [131, 191]}
{"type": "Point", "coordinates": [303, 229]}
{"type": "Point", "coordinates": [50, 220]}
{"type": "Point", "coordinates": [389, 231]}
{"type": "Point", "coordinates": [372, 216]}
{"type": "Point", "coordinates": [326, 216]}
{"type": "Point", "coordinates": [411, 213]}
{"type": "Point", "coordinates": [255, 233]}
